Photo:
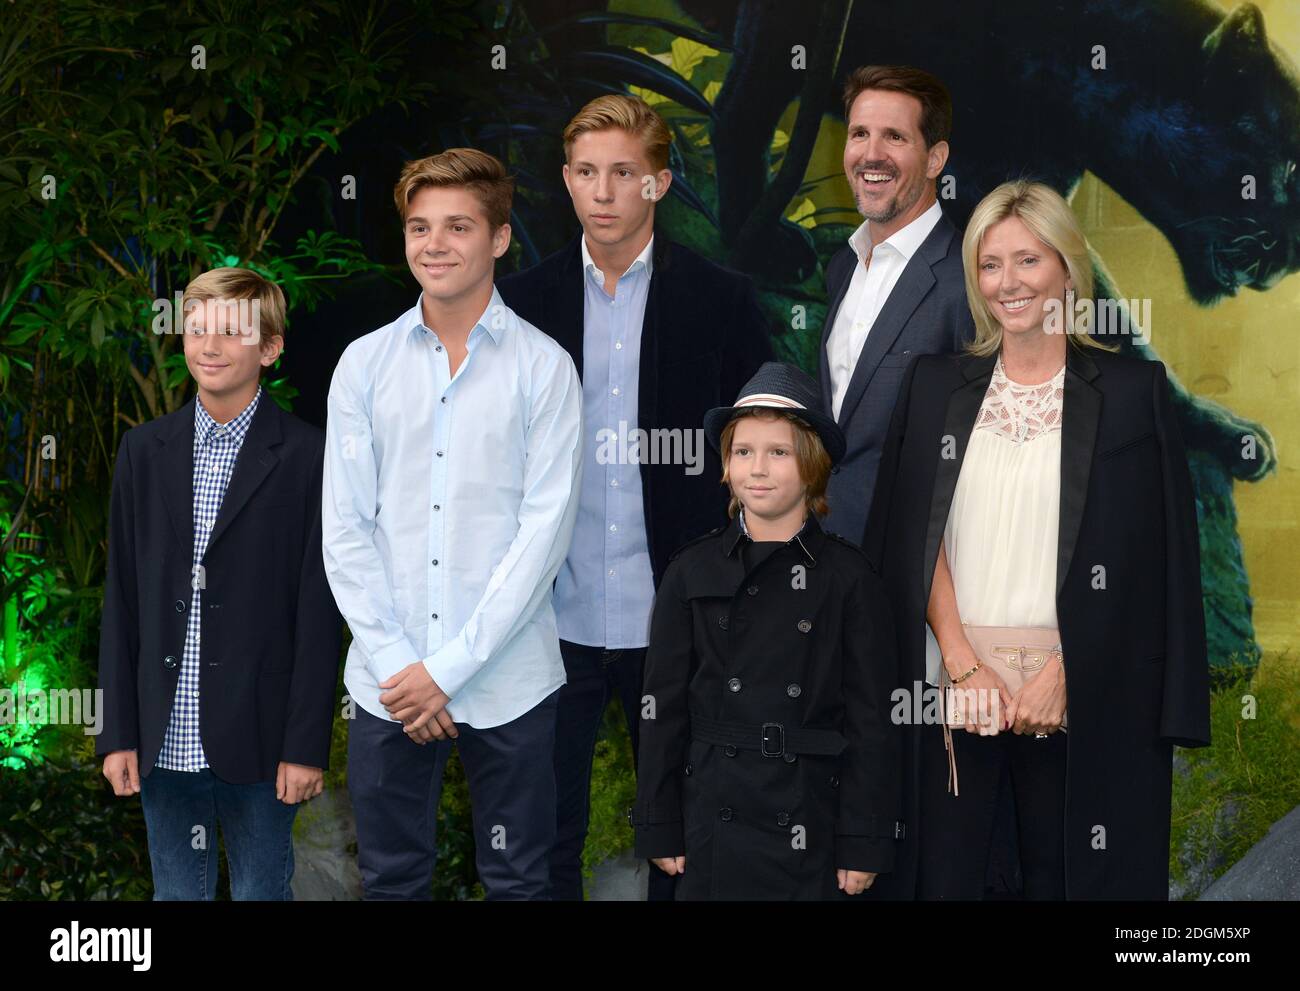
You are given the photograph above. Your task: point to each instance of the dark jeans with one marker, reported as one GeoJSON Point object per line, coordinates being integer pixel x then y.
{"type": "Point", "coordinates": [594, 676]}
{"type": "Point", "coordinates": [256, 826]}
{"type": "Point", "coordinates": [959, 835]}
{"type": "Point", "coordinates": [395, 785]}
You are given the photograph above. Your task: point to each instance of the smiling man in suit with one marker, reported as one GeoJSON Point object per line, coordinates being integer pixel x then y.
{"type": "Point", "coordinates": [215, 535]}
{"type": "Point", "coordinates": [659, 336]}
{"type": "Point", "coordinates": [896, 290]}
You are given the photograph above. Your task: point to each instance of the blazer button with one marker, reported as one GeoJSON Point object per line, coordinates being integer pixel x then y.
{"type": "Point", "coordinates": [180, 605]}
{"type": "Point", "coordinates": [835, 782]}
{"type": "Point", "coordinates": [725, 815]}
{"type": "Point", "coordinates": [722, 622]}
{"type": "Point", "coordinates": [752, 590]}
{"type": "Point", "coordinates": [794, 691]}
{"type": "Point", "coordinates": [789, 758]}
{"type": "Point", "coordinates": [835, 470]}
{"type": "Point", "coordinates": [689, 768]}
{"type": "Point", "coordinates": [729, 750]}
{"type": "Point", "coordinates": [733, 685]}
{"type": "Point", "coordinates": [782, 819]}
{"type": "Point", "coordinates": [170, 662]}
{"type": "Point", "coordinates": [804, 626]}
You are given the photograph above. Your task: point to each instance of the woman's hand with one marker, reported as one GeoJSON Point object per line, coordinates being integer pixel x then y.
{"type": "Point", "coordinates": [670, 865]}
{"type": "Point", "coordinates": [983, 699]}
{"type": "Point", "coordinates": [1039, 706]}
{"type": "Point", "coordinates": [854, 882]}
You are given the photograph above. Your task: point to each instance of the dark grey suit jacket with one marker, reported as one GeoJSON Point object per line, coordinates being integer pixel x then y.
{"type": "Point", "coordinates": [926, 313]}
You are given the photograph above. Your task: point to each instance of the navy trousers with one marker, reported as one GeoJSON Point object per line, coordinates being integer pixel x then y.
{"type": "Point", "coordinates": [395, 785]}
{"type": "Point", "coordinates": [594, 676]}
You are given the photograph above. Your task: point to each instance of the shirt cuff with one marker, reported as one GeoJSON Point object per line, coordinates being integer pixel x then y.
{"type": "Point", "coordinates": [451, 666]}
{"type": "Point", "coordinates": [387, 661]}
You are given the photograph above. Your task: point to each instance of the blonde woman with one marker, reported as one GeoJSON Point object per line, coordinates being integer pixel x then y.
{"type": "Point", "coordinates": [1035, 522]}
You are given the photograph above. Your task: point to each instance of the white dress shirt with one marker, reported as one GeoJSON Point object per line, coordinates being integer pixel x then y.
{"type": "Point", "coordinates": [448, 504]}
{"type": "Point", "coordinates": [868, 290]}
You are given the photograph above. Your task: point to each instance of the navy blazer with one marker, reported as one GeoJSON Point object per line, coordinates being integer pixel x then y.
{"type": "Point", "coordinates": [703, 337]}
{"type": "Point", "coordinates": [271, 632]}
{"type": "Point", "coordinates": [926, 313]}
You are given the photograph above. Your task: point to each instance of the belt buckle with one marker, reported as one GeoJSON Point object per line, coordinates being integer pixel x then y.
{"type": "Point", "coordinates": [773, 731]}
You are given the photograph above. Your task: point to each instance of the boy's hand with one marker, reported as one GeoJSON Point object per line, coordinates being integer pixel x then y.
{"type": "Point", "coordinates": [296, 783]}
{"type": "Point", "coordinates": [854, 882]}
{"type": "Point", "coordinates": [122, 768]}
{"type": "Point", "coordinates": [415, 698]}
{"type": "Point", "coordinates": [670, 865]}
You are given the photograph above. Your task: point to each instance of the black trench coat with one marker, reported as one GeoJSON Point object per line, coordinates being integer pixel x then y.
{"type": "Point", "coordinates": [1136, 672]}
{"type": "Point", "coordinates": [802, 643]}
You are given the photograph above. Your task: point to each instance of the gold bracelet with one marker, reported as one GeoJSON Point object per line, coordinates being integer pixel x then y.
{"type": "Point", "coordinates": [978, 665]}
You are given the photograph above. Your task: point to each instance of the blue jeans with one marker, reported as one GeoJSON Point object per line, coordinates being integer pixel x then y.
{"type": "Point", "coordinates": [257, 828]}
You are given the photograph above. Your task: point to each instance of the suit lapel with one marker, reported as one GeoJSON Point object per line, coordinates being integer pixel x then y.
{"type": "Point", "coordinates": [253, 463]}
{"type": "Point", "coordinates": [178, 484]}
{"type": "Point", "coordinates": [1080, 414]}
{"type": "Point", "coordinates": [959, 420]}
{"type": "Point", "coordinates": [913, 285]}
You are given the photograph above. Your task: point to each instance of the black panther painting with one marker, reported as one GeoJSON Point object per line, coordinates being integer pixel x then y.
{"type": "Point", "coordinates": [1187, 112]}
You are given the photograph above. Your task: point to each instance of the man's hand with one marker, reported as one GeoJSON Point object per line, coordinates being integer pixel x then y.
{"type": "Point", "coordinates": [414, 697]}
{"type": "Point", "coordinates": [670, 865]}
{"type": "Point", "coordinates": [122, 768]}
{"type": "Point", "coordinates": [296, 783]}
{"type": "Point", "coordinates": [854, 882]}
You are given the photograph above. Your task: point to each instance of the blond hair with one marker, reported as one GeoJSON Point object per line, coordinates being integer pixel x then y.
{"type": "Point", "coordinates": [232, 284]}
{"type": "Point", "coordinates": [482, 174]}
{"type": "Point", "coordinates": [627, 113]}
{"type": "Point", "coordinates": [1050, 219]}
{"type": "Point", "coordinates": [809, 454]}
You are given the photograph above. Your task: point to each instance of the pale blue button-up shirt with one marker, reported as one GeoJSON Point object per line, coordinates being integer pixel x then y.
{"type": "Point", "coordinates": [605, 589]}
{"type": "Point", "coordinates": [448, 504]}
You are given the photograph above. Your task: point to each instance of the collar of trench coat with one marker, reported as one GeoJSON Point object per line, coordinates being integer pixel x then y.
{"type": "Point", "coordinates": [809, 539]}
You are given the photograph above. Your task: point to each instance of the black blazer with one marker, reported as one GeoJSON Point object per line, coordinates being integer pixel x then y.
{"type": "Point", "coordinates": [270, 633]}
{"type": "Point", "coordinates": [926, 313]}
{"type": "Point", "coordinates": [703, 337]}
{"type": "Point", "coordinates": [1128, 598]}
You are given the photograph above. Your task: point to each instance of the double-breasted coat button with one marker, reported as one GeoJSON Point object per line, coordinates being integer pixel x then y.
{"type": "Point", "coordinates": [725, 815]}
{"type": "Point", "coordinates": [782, 819]}
{"type": "Point", "coordinates": [804, 626]}
{"type": "Point", "coordinates": [789, 758]}
{"type": "Point", "coordinates": [170, 662]}
{"type": "Point", "coordinates": [729, 750]}
{"type": "Point", "coordinates": [835, 782]}
{"type": "Point", "coordinates": [794, 691]}
{"type": "Point", "coordinates": [180, 605]}
{"type": "Point", "coordinates": [722, 622]}
{"type": "Point", "coordinates": [733, 685]}
{"type": "Point", "coordinates": [752, 590]}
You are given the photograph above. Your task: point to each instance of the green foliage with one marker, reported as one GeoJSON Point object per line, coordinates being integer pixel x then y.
{"type": "Point", "coordinates": [64, 837]}
{"type": "Point", "coordinates": [1235, 789]}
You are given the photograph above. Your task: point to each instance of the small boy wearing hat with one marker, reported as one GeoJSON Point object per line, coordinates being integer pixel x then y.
{"type": "Point", "coordinates": [769, 764]}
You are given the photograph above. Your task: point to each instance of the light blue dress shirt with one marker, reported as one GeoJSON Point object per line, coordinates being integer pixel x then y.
{"type": "Point", "coordinates": [605, 589]}
{"type": "Point", "coordinates": [448, 504]}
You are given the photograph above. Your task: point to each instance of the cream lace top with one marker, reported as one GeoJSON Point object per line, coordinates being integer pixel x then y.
{"type": "Point", "coordinates": [1002, 530]}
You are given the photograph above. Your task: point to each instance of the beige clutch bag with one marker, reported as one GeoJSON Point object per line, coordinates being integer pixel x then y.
{"type": "Point", "coordinates": [1016, 654]}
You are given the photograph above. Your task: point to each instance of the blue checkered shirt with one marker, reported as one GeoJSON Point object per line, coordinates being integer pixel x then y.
{"type": "Point", "coordinates": [216, 445]}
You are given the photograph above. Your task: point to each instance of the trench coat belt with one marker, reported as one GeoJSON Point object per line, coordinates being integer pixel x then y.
{"type": "Point", "coordinates": [770, 739]}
